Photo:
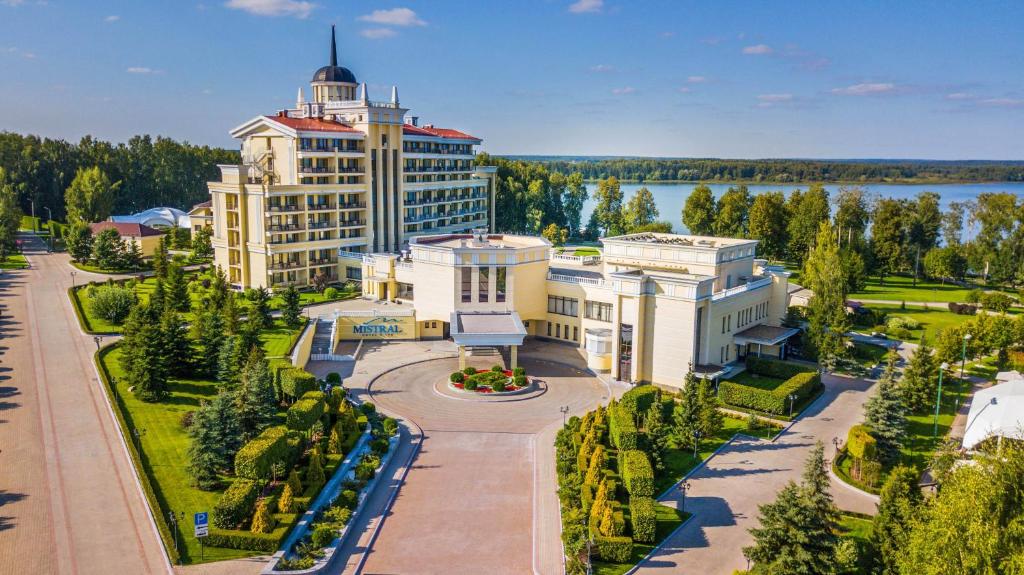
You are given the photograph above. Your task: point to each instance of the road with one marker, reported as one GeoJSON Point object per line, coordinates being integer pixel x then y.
{"type": "Point", "coordinates": [725, 493]}
{"type": "Point", "coordinates": [69, 500]}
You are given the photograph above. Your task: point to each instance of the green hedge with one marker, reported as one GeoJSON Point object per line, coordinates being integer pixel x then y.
{"type": "Point", "coordinates": [254, 459]}
{"type": "Point", "coordinates": [239, 539]}
{"type": "Point", "coordinates": [306, 411]}
{"type": "Point", "coordinates": [804, 385]}
{"type": "Point", "coordinates": [622, 428]}
{"type": "Point", "coordinates": [639, 399]}
{"type": "Point", "coordinates": [860, 444]}
{"type": "Point", "coordinates": [236, 504]}
{"type": "Point", "coordinates": [636, 472]}
{"type": "Point", "coordinates": [774, 367]}
{"type": "Point", "coordinates": [643, 515]}
{"type": "Point", "coordinates": [614, 549]}
{"type": "Point", "coordinates": [296, 382]}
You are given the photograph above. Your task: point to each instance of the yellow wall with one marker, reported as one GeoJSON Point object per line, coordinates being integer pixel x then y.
{"type": "Point", "coordinates": [380, 327]}
{"type": "Point", "coordinates": [433, 329]}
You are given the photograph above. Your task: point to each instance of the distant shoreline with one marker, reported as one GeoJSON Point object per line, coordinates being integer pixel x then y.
{"type": "Point", "coordinates": [809, 183]}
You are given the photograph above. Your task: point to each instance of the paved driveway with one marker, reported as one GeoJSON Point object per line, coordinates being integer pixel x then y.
{"type": "Point", "coordinates": [69, 502]}
{"type": "Point", "coordinates": [724, 495]}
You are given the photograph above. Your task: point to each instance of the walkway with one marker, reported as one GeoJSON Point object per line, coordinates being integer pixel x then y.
{"type": "Point", "coordinates": [725, 493]}
{"type": "Point", "coordinates": [69, 500]}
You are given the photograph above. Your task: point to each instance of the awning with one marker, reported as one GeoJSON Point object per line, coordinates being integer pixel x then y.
{"type": "Point", "coordinates": [765, 335]}
{"type": "Point", "coordinates": [487, 329]}
{"type": "Point", "coordinates": [997, 411]}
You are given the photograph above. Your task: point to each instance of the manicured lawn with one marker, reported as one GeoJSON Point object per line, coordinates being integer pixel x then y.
{"type": "Point", "coordinates": [98, 270]}
{"type": "Point", "coordinates": [764, 382]}
{"type": "Point", "coordinates": [279, 338]}
{"type": "Point", "coordinates": [165, 452]}
{"type": "Point", "coordinates": [14, 262]}
{"type": "Point", "coordinates": [669, 519]}
{"type": "Point", "coordinates": [680, 462]}
{"type": "Point", "coordinates": [868, 355]}
{"type": "Point", "coordinates": [932, 320]}
{"type": "Point", "coordinates": [859, 529]}
{"type": "Point", "coordinates": [901, 288]}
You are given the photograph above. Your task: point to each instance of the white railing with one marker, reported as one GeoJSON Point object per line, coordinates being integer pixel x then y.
{"type": "Point", "coordinates": [403, 265]}
{"type": "Point", "coordinates": [563, 278]}
{"type": "Point", "coordinates": [749, 286]}
{"type": "Point", "coordinates": [375, 313]}
{"type": "Point", "coordinates": [578, 260]}
{"type": "Point", "coordinates": [350, 255]}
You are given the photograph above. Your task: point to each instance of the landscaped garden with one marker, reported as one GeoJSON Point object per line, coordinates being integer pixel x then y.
{"type": "Point", "coordinates": [495, 380]}
{"type": "Point", "coordinates": [909, 322]}
{"type": "Point", "coordinates": [772, 388]}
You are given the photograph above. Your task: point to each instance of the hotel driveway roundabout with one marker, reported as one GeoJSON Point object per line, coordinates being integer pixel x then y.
{"type": "Point", "coordinates": [469, 502]}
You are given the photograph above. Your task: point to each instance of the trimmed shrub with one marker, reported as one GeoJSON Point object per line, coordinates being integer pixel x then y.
{"type": "Point", "coordinates": [305, 412]}
{"type": "Point", "coordinates": [297, 382]}
{"type": "Point", "coordinates": [614, 549]}
{"type": "Point", "coordinates": [331, 293]}
{"type": "Point", "coordinates": [254, 459]}
{"type": "Point", "coordinates": [335, 398]}
{"type": "Point", "coordinates": [322, 536]}
{"type": "Point", "coordinates": [232, 539]}
{"type": "Point", "coordinates": [519, 371]}
{"type": "Point", "coordinates": [622, 428]}
{"type": "Point", "coordinates": [644, 517]}
{"type": "Point", "coordinates": [112, 303]}
{"type": "Point", "coordinates": [902, 322]}
{"type": "Point", "coordinates": [860, 444]}
{"type": "Point", "coordinates": [469, 370]}
{"type": "Point", "coordinates": [773, 367]}
{"type": "Point", "coordinates": [636, 472]}
{"type": "Point", "coordinates": [470, 385]}
{"type": "Point", "coordinates": [333, 378]}
{"type": "Point", "coordinates": [457, 377]}
{"type": "Point", "coordinates": [262, 520]}
{"type": "Point", "coordinates": [236, 504]}
{"type": "Point", "coordinates": [497, 368]}
{"type": "Point", "coordinates": [804, 384]}
{"type": "Point", "coordinates": [499, 385]}
{"type": "Point", "coordinates": [519, 380]}
{"type": "Point", "coordinates": [639, 399]}
{"type": "Point", "coordinates": [347, 499]}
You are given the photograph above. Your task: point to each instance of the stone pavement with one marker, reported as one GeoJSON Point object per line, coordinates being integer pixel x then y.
{"type": "Point", "coordinates": [69, 499]}
{"type": "Point", "coordinates": [725, 493]}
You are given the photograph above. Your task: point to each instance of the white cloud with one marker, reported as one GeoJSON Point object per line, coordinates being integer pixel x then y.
{"type": "Point", "coordinates": [774, 98]}
{"type": "Point", "coordinates": [378, 33]}
{"type": "Point", "coordinates": [586, 6]}
{"type": "Point", "coordinates": [12, 3]}
{"type": "Point", "coordinates": [623, 91]}
{"type": "Point", "coordinates": [667, 34]}
{"type": "Point", "coordinates": [296, 8]}
{"type": "Point", "coordinates": [758, 49]}
{"type": "Point", "coordinates": [393, 17]}
{"type": "Point", "coordinates": [599, 68]}
{"type": "Point", "coordinates": [685, 90]}
{"type": "Point", "coordinates": [866, 89]}
{"type": "Point", "coordinates": [697, 79]}
{"type": "Point", "coordinates": [1003, 102]}
{"type": "Point", "coordinates": [112, 18]}
{"type": "Point", "coordinates": [141, 70]}
{"type": "Point", "coordinates": [960, 96]}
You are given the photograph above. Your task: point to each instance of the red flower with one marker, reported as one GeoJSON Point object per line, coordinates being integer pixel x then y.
{"type": "Point", "coordinates": [458, 385]}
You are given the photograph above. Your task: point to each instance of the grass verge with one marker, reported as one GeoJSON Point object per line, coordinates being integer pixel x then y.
{"type": "Point", "coordinates": [669, 519]}
{"type": "Point", "coordinates": [14, 262]}
{"type": "Point", "coordinates": [679, 462]}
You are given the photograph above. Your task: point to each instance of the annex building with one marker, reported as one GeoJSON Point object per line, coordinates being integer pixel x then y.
{"type": "Point", "coordinates": [336, 177]}
{"type": "Point", "coordinates": [645, 309]}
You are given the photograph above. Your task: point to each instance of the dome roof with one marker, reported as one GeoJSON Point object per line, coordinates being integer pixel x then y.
{"type": "Point", "coordinates": [334, 74]}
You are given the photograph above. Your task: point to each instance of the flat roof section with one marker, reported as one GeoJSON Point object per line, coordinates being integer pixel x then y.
{"type": "Point", "coordinates": [472, 241]}
{"type": "Point", "coordinates": [765, 334]}
{"type": "Point", "coordinates": [487, 328]}
{"type": "Point", "coordinates": [680, 240]}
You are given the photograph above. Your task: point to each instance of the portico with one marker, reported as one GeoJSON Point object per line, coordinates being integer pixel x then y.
{"type": "Point", "coordinates": [769, 339]}
{"type": "Point", "coordinates": [487, 329]}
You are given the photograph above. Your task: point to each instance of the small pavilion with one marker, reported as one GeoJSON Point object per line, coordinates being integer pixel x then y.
{"type": "Point", "coordinates": [476, 331]}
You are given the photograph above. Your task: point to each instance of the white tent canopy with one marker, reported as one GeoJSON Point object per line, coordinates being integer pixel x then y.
{"type": "Point", "coordinates": [157, 217]}
{"type": "Point", "coordinates": [996, 411]}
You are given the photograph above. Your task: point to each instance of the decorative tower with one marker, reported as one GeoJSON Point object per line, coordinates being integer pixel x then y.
{"type": "Point", "coordinates": [333, 82]}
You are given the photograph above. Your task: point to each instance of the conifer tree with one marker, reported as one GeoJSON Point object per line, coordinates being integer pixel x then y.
{"type": "Point", "coordinates": [229, 311]}
{"type": "Point", "coordinates": [315, 471]}
{"type": "Point", "coordinates": [160, 259]}
{"type": "Point", "coordinates": [897, 507]}
{"type": "Point", "coordinates": [256, 400]}
{"type": "Point", "coordinates": [177, 289]}
{"type": "Point", "coordinates": [158, 299]}
{"type": "Point", "coordinates": [286, 503]}
{"type": "Point", "coordinates": [711, 420]}
{"type": "Point", "coordinates": [686, 414]}
{"type": "Point", "coordinates": [176, 348]}
{"type": "Point", "coordinates": [607, 522]}
{"type": "Point", "coordinates": [216, 438]}
{"type": "Point", "coordinates": [920, 379]}
{"type": "Point", "coordinates": [259, 308]}
{"type": "Point", "coordinates": [294, 482]}
{"type": "Point", "coordinates": [885, 416]}
{"type": "Point", "coordinates": [291, 311]}
{"type": "Point", "coordinates": [227, 362]}
{"type": "Point", "coordinates": [209, 328]}
{"type": "Point", "coordinates": [219, 289]}
{"type": "Point", "coordinates": [334, 441]}
{"type": "Point", "coordinates": [597, 461]}
{"type": "Point", "coordinates": [132, 256]}
{"type": "Point", "coordinates": [142, 355]}
{"type": "Point", "coordinates": [262, 520]}
{"type": "Point", "coordinates": [657, 434]}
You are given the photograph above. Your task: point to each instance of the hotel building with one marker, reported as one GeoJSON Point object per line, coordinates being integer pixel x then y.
{"type": "Point", "coordinates": [644, 310]}
{"type": "Point", "coordinates": [336, 177]}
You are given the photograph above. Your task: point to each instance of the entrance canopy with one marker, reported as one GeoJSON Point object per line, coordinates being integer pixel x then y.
{"type": "Point", "coordinates": [765, 335]}
{"type": "Point", "coordinates": [997, 411]}
{"type": "Point", "coordinates": [487, 329]}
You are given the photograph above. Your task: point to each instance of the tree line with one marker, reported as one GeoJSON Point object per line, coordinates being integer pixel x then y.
{"type": "Point", "coordinates": [785, 171]}
{"type": "Point", "coordinates": [144, 171]}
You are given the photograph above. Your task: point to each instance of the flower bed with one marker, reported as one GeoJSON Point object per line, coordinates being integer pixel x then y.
{"type": "Point", "coordinates": [495, 380]}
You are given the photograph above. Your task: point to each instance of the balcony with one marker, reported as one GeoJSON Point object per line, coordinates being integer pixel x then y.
{"type": "Point", "coordinates": [283, 207]}
{"type": "Point", "coordinates": [319, 225]}
{"type": "Point", "coordinates": [322, 262]}
{"type": "Point", "coordinates": [341, 149]}
{"type": "Point", "coordinates": [289, 265]}
{"type": "Point", "coordinates": [319, 207]}
{"type": "Point", "coordinates": [282, 228]}
{"type": "Point", "coordinates": [315, 170]}
{"type": "Point", "coordinates": [352, 206]}
{"type": "Point", "coordinates": [741, 289]}
{"type": "Point", "coordinates": [579, 280]}
{"type": "Point", "coordinates": [351, 223]}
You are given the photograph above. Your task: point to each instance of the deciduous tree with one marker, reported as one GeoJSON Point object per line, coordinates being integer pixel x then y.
{"type": "Point", "coordinates": [825, 276]}
{"type": "Point", "coordinates": [90, 197]}
{"type": "Point", "coordinates": [897, 508]}
{"type": "Point", "coordinates": [732, 213]}
{"type": "Point", "coordinates": [609, 206]}
{"type": "Point", "coordinates": [641, 210]}
{"type": "Point", "coordinates": [768, 224]}
{"type": "Point", "coordinates": [699, 211]}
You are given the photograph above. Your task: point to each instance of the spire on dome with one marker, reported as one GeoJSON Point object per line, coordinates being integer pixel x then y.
{"type": "Point", "coordinates": [334, 49]}
{"type": "Point", "coordinates": [362, 93]}
{"type": "Point", "coordinates": [300, 100]}
{"type": "Point", "coordinates": [394, 95]}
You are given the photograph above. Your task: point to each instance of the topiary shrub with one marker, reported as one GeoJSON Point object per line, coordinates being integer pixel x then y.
{"type": "Point", "coordinates": [333, 378]}
{"type": "Point", "coordinates": [305, 412]}
{"type": "Point", "coordinates": [470, 385]}
{"type": "Point", "coordinates": [262, 520]}
{"type": "Point", "coordinates": [331, 293]}
{"type": "Point", "coordinates": [636, 472]}
{"type": "Point", "coordinates": [236, 504]}
{"type": "Point", "coordinates": [255, 459]}
{"type": "Point", "coordinates": [457, 377]}
{"type": "Point", "coordinates": [519, 371]}
{"type": "Point", "coordinates": [614, 549]}
{"type": "Point", "coordinates": [469, 370]}
{"type": "Point", "coordinates": [639, 399]}
{"type": "Point", "coordinates": [519, 380]}
{"type": "Point", "coordinates": [498, 386]}
{"type": "Point", "coordinates": [643, 516]}
{"type": "Point", "coordinates": [296, 382]}
{"type": "Point", "coordinates": [622, 428]}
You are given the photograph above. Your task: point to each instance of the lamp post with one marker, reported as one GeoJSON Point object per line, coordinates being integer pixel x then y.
{"type": "Point", "coordinates": [137, 434]}
{"type": "Point", "coordinates": [963, 356]}
{"type": "Point", "coordinates": [590, 542]}
{"type": "Point", "coordinates": [49, 218]}
{"type": "Point", "coordinates": [835, 444]}
{"type": "Point", "coordinates": [792, 398]}
{"type": "Point", "coordinates": [97, 339]}
{"type": "Point", "coordinates": [73, 278]}
{"type": "Point", "coordinates": [938, 397]}
{"type": "Point", "coordinates": [696, 442]}
{"type": "Point", "coordinates": [565, 411]}
{"type": "Point", "coordinates": [174, 527]}
{"type": "Point", "coordinates": [682, 491]}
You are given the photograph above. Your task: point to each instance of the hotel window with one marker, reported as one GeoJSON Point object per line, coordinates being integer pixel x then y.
{"type": "Point", "coordinates": [558, 330]}
{"type": "Point", "coordinates": [467, 284]}
{"type": "Point", "coordinates": [598, 310]}
{"type": "Point", "coordinates": [499, 284]}
{"type": "Point", "coordinates": [575, 333]}
{"type": "Point", "coordinates": [563, 305]}
{"type": "Point", "coordinates": [549, 329]}
{"type": "Point", "coordinates": [483, 284]}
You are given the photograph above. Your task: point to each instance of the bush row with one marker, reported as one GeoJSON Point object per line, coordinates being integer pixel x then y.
{"type": "Point", "coordinates": [622, 428]}
{"type": "Point", "coordinates": [773, 367]}
{"type": "Point", "coordinates": [644, 518]}
{"type": "Point", "coordinates": [296, 382]}
{"type": "Point", "coordinates": [245, 539]}
{"type": "Point", "coordinates": [636, 472]}
{"type": "Point", "coordinates": [254, 459]}
{"type": "Point", "coordinates": [614, 549]}
{"type": "Point", "coordinates": [776, 401]}
{"type": "Point", "coordinates": [639, 399]}
{"type": "Point", "coordinates": [305, 412]}
{"type": "Point", "coordinates": [235, 506]}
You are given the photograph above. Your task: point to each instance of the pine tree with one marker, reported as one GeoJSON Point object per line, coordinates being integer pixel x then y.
{"type": "Point", "coordinates": [132, 255]}
{"type": "Point", "coordinates": [209, 328]}
{"type": "Point", "coordinates": [686, 414]}
{"type": "Point", "coordinates": [286, 503]}
{"type": "Point", "coordinates": [259, 308]}
{"type": "Point", "coordinates": [897, 507]}
{"type": "Point", "coordinates": [219, 289]}
{"type": "Point", "coordinates": [106, 250]}
{"type": "Point", "coordinates": [291, 311]}
{"type": "Point", "coordinates": [229, 311]}
{"type": "Point", "coordinates": [294, 482]}
{"type": "Point", "coordinates": [160, 259]}
{"type": "Point", "coordinates": [177, 289]}
{"type": "Point", "coordinates": [175, 346]}
{"type": "Point", "coordinates": [141, 355]}
{"type": "Point", "coordinates": [216, 438]}
{"type": "Point", "coordinates": [315, 471]}
{"type": "Point", "coordinates": [815, 488]}
{"type": "Point", "coordinates": [158, 299]}
{"type": "Point", "coordinates": [920, 379]}
{"type": "Point", "coordinates": [262, 520]}
{"type": "Point", "coordinates": [885, 416]}
{"type": "Point", "coordinates": [256, 400]}
{"type": "Point", "coordinates": [657, 434]}
{"type": "Point", "coordinates": [227, 362]}
{"type": "Point", "coordinates": [711, 420]}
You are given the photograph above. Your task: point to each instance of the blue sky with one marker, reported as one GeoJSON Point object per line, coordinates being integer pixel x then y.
{"type": "Point", "coordinates": [825, 79]}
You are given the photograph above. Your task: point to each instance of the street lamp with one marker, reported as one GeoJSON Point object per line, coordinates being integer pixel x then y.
{"type": "Point", "coordinates": [590, 542]}
{"type": "Point", "coordinates": [174, 527]}
{"type": "Point", "coordinates": [565, 412]}
{"type": "Point", "coordinates": [682, 491]}
{"type": "Point", "coordinates": [97, 339]}
{"type": "Point", "coordinates": [938, 397]}
{"type": "Point", "coordinates": [696, 441]}
{"type": "Point", "coordinates": [137, 434]}
{"type": "Point", "coordinates": [73, 278]}
{"type": "Point", "coordinates": [792, 398]}
{"type": "Point", "coordinates": [49, 218]}
{"type": "Point", "coordinates": [963, 356]}
{"type": "Point", "coordinates": [835, 444]}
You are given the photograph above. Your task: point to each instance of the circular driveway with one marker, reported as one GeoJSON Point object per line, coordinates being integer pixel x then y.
{"type": "Point", "coordinates": [467, 505]}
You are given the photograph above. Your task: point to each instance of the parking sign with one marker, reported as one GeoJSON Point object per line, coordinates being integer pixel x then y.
{"type": "Point", "coordinates": [202, 524]}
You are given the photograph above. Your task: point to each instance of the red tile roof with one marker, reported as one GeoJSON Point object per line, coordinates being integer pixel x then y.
{"type": "Point", "coordinates": [206, 204]}
{"type": "Point", "coordinates": [312, 124]}
{"type": "Point", "coordinates": [411, 130]}
{"type": "Point", "coordinates": [125, 229]}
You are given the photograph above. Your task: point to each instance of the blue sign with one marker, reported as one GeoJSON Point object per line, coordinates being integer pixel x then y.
{"type": "Point", "coordinates": [202, 526]}
{"type": "Point", "coordinates": [202, 518]}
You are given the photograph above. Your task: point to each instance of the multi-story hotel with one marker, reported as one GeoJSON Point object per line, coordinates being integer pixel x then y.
{"type": "Point", "coordinates": [336, 177]}
{"type": "Point", "coordinates": [644, 310]}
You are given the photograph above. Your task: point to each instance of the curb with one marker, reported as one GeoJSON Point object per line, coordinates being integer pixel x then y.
{"type": "Point", "coordinates": [651, 553]}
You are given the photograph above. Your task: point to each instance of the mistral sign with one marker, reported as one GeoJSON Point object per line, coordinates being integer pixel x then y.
{"type": "Point", "coordinates": [377, 327]}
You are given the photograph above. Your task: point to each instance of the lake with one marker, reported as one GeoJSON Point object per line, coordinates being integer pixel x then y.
{"type": "Point", "coordinates": [671, 197]}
